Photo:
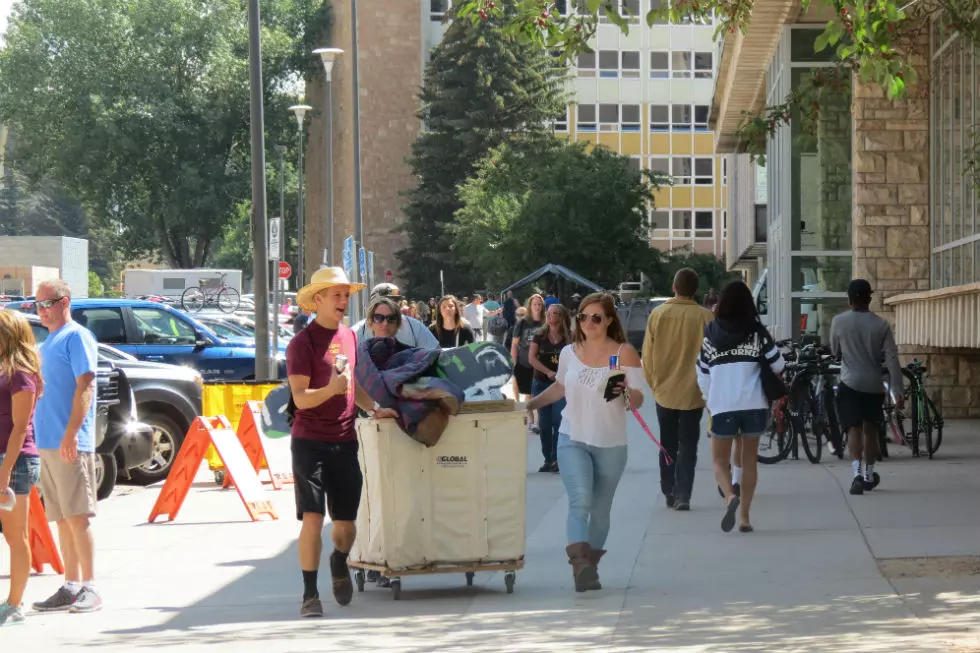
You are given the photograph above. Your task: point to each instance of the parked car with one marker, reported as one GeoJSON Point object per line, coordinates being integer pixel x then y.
{"type": "Point", "coordinates": [238, 326]}
{"type": "Point", "coordinates": [158, 333]}
{"type": "Point", "coordinates": [166, 399]}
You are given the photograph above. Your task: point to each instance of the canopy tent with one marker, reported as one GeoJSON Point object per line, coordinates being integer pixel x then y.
{"type": "Point", "coordinates": [558, 271]}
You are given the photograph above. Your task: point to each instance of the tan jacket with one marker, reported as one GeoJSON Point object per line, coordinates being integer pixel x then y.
{"type": "Point", "coordinates": [675, 332]}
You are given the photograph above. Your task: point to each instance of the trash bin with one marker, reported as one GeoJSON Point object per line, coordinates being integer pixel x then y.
{"type": "Point", "coordinates": [456, 507]}
{"type": "Point", "coordinates": [228, 398]}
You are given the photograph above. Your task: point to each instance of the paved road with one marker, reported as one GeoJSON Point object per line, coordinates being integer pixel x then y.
{"type": "Point", "coordinates": [806, 580]}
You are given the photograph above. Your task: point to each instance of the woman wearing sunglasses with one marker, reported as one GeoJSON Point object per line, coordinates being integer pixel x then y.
{"type": "Point", "coordinates": [592, 439]}
{"type": "Point", "coordinates": [384, 318]}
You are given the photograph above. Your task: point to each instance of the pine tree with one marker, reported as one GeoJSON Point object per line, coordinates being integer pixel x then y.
{"type": "Point", "coordinates": [481, 89]}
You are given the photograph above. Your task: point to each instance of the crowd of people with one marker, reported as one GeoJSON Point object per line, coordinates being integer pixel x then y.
{"type": "Point", "coordinates": [693, 358]}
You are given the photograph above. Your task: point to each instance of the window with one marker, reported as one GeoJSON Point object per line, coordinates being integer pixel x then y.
{"type": "Point", "coordinates": [704, 171]}
{"type": "Point", "coordinates": [659, 65]}
{"type": "Point", "coordinates": [586, 118]}
{"type": "Point", "coordinates": [106, 324]}
{"type": "Point", "coordinates": [437, 10]}
{"type": "Point", "coordinates": [681, 64]}
{"type": "Point", "coordinates": [586, 64]}
{"type": "Point", "coordinates": [703, 224]}
{"type": "Point", "coordinates": [609, 117]}
{"type": "Point", "coordinates": [660, 164]}
{"type": "Point", "coordinates": [630, 8]}
{"type": "Point", "coordinates": [680, 170]}
{"type": "Point", "coordinates": [608, 63]}
{"type": "Point", "coordinates": [681, 224]}
{"type": "Point", "coordinates": [631, 64]}
{"type": "Point", "coordinates": [655, 5]}
{"type": "Point", "coordinates": [680, 117]}
{"type": "Point", "coordinates": [660, 221]}
{"type": "Point", "coordinates": [630, 118]}
{"type": "Point", "coordinates": [159, 327]}
{"type": "Point", "coordinates": [561, 7]}
{"type": "Point", "coordinates": [703, 65]}
{"type": "Point", "coordinates": [659, 117]}
{"type": "Point", "coordinates": [174, 283]}
{"type": "Point", "coordinates": [633, 163]}
{"type": "Point", "coordinates": [561, 121]}
{"type": "Point", "coordinates": [724, 170]}
{"type": "Point", "coordinates": [701, 117]}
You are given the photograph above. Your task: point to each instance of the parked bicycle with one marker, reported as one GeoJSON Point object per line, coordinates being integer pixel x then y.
{"type": "Point", "coordinates": [211, 292]}
{"type": "Point", "coordinates": [919, 421]}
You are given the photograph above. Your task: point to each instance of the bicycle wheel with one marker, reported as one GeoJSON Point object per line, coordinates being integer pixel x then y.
{"type": "Point", "coordinates": [776, 442]}
{"type": "Point", "coordinates": [810, 438]}
{"type": "Point", "coordinates": [229, 300]}
{"type": "Point", "coordinates": [934, 437]}
{"type": "Point", "coordinates": [192, 299]}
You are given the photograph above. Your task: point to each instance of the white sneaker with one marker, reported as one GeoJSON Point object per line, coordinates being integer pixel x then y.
{"type": "Point", "coordinates": [88, 600]}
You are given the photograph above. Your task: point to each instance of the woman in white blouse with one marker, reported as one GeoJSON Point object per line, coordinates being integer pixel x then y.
{"type": "Point", "coordinates": [592, 441]}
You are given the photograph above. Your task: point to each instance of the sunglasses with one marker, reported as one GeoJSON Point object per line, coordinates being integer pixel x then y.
{"type": "Point", "coordinates": [595, 317]}
{"type": "Point", "coordinates": [48, 303]}
{"type": "Point", "coordinates": [379, 319]}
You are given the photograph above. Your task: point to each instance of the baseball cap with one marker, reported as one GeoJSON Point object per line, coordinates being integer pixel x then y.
{"type": "Point", "coordinates": [859, 289]}
{"type": "Point", "coordinates": [388, 290]}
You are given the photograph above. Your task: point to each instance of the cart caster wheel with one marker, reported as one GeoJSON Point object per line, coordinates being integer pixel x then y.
{"type": "Point", "coordinates": [359, 579]}
{"type": "Point", "coordinates": [374, 577]}
{"type": "Point", "coordinates": [219, 477]}
{"type": "Point", "coordinates": [509, 579]}
{"type": "Point", "coordinates": [469, 578]}
{"type": "Point", "coordinates": [396, 589]}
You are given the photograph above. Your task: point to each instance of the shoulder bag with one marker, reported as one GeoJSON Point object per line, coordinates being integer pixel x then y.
{"type": "Point", "coordinates": [772, 384]}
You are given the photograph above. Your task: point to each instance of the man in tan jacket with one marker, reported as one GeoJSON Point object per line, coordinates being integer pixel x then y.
{"type": "Point", "coordinates": [675, 331]}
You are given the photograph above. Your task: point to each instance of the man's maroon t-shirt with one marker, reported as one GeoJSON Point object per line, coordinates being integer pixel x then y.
{"type": "Point", "coordinates": [311, 353]}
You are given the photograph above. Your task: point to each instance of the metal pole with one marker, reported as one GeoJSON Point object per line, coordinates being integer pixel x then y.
{"type": "Point", "coordinates": [358, 222]}
{"type": "Point", "coordinates": [301, 271]}
{"type": "Point", "coordinates": [329, 193]}
{"type": "Point", "coordinates": [260, 227]}
{"type": "Point", "coordinates": [279, 256]}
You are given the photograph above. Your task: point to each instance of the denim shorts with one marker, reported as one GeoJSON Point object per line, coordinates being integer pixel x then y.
{"type": "Point", "coordinates": [27, 471]}
{"type": "Point", "coordinates": [740, 423]}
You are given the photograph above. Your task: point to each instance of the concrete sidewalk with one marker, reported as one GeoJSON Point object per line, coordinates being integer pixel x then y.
{"type": "Point", "coordinates": [807, 580]}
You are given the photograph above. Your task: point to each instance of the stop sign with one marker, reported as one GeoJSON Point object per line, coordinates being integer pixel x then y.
{"type": "Point", "coordinates": [285, 270]}
{"type": "Point", "coordinates": [388, 275]}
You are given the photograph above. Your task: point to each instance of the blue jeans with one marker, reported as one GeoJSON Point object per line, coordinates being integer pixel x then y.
{"type": "Point", "coordinates": [591, 475]}
{"type": "Point", "coordinates": [549, 421]}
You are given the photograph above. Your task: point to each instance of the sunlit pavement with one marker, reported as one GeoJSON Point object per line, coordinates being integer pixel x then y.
{"type": "Point", "coordinates": [807, 580]}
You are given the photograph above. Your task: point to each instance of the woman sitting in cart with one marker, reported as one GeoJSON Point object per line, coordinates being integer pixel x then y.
{"type": "Point", "coordinates": [592, 439]}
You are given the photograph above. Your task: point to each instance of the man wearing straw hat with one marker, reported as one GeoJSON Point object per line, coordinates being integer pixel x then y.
{"type": "Point", "coordinates": [319, 362]}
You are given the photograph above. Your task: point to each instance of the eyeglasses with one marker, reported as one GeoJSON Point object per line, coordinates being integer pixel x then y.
{"type": "Point", "coordinates": [48, 303]}
{"type": "Point", "coordinates": [378, 318]}
{"type": "Point", "coordinates": [595, 317]}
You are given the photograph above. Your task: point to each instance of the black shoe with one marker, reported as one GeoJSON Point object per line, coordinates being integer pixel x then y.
{"type": "Point", "coordinates": [554, 467]}
{"type": "Point", "coordinates": [669, 500]}
{"type": "Point", "coordinates": [545, 467]}
{"type": "Point", "coordinates": [857, 485]}
{"type": "Point", "coordinates": [737, 488]}
{"type": "Point", "coordinates": [343, 588]}
{"type": "Point", "coordinates": [682, 505]}
{"type": "Point", "coordinates": [873, 483]}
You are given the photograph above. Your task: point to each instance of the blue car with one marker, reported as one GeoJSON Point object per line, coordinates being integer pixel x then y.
{"type": "Point", "coordinates": [158, 333]}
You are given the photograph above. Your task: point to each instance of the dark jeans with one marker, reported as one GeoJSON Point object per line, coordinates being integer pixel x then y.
{"type": "Point", "coordinates": [680, 431]}
{"type": "Point", "coordinates": [549, 421]}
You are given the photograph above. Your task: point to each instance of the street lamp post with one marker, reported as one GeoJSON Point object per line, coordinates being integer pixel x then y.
{"type": "Point", "coordinates": [300, 111]}
{"type": "Point", "coordinates": [260, 227]}
{"type": "Point", "coordinates": [279, 256]}
{"type": "Point", "coordinates": [328, 56]}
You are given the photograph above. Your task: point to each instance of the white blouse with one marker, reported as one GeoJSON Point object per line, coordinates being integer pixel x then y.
{"type": "Point", "coordinates": [588, 417]}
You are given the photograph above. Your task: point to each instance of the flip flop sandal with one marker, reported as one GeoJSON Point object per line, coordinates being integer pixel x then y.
{"type": "Point", "coordinates": [745, 528]}
{"type": "Point", "coordinates": [728, 521]}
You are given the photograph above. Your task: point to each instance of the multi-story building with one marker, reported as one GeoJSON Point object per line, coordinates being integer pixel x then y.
{"type": "Point", "coordinates": [884, 190]}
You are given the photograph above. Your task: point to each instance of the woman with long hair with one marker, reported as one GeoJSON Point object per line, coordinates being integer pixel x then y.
{"type": "Point", "coordinates": [735, 347]}
{"type": "Point", "coordinates": [20, 466]}
{"type": "Point", "coordinates": [546, 347]}
{"type": "Point", "coordinates": [384, 317]}
{"type": "Point", "coordinates": [592, 442]}
{"type": "Point", "coordinates": [520, 347]}
{"type": "Point", "coordinates": [448, 327]}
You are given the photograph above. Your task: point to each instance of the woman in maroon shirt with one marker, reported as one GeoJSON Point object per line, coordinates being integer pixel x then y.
{"type": "Point", "coordinates": [20, 382]}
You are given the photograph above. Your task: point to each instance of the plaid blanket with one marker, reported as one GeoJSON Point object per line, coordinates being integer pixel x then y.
{"type": "Point", "coordinates": [405, 379]}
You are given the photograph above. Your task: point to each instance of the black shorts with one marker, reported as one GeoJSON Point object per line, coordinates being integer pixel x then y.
{"type": "Point", "coordinates": [525, 377]}
{"type": "Point", "coordinates": [327, 478]}
{"type": "Point", "coordinates": [854, 408]}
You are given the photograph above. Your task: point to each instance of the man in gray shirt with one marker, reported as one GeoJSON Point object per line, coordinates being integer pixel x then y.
{"type": "Point", "coordinates": [863, 340]}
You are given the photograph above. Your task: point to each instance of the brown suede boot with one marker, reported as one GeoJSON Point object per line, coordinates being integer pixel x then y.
{"type": "Point", "coordinates": [594, 556]}
{"type": "Point", "coordinates": [583, 571]}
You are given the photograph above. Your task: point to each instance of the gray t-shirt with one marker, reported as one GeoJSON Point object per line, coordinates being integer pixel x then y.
{"type": "Point", "coordinates": [864, 340]}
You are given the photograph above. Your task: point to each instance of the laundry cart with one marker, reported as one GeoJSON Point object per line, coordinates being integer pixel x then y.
{"type": "Point", "coordinates": [456, 507]}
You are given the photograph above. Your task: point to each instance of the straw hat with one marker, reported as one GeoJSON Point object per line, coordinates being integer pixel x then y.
{"type": "Point", "coordinates": [322, 279]}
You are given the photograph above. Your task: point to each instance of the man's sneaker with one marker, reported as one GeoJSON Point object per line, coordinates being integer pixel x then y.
{"type": "Point", "coordinates": [857, 485]}
{"type": "Point", "coordinates": [554, 467]}
{"type": "Point", "coordinates": [10, 615]}
{"type": "Point", "coordinates": [669, 500]}
{"type": "Point", "coordinates": [737, 489]}
{"type": "Point", "coordinates": [682, 505]}
{"type": "Point", "coordinates": [311, 608]}
{"type": "Point", "coordinates": [88, 600]}
{"type": "Point", "coordinates": [545, 467]}
{"type": "Point", "coordinates": [873, 483]}
{"type": "Point", "coordinates": [343, 588]}
{"type": "Point", "coordinates": [60, 601]}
